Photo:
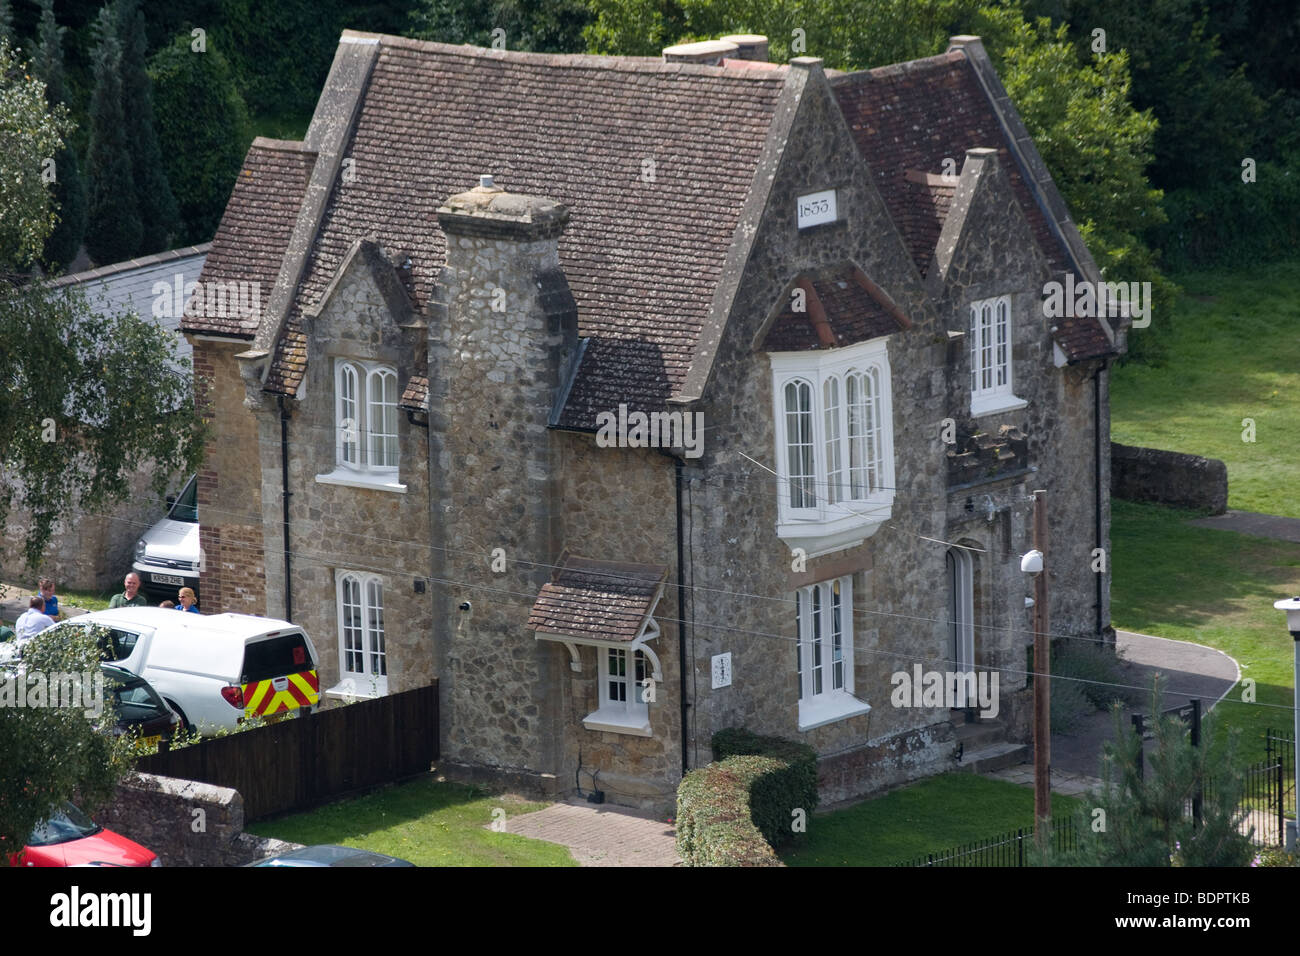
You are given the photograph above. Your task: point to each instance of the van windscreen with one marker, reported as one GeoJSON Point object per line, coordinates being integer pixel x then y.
{"type": "Point", "coordinates": [275, 657]}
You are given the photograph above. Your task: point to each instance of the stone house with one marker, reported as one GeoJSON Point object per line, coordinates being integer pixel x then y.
{"type": "Point", "coordinates": [718, 401]}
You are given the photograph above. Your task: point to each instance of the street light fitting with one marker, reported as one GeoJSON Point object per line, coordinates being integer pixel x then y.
{"type": "Point", "coordinates": [1032, 562]}
{"type": "Point", "coordinates": [1292, 608]}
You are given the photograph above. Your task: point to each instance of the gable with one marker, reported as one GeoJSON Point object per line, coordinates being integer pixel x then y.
{"type": "Point", "coordinates": [653, 160]}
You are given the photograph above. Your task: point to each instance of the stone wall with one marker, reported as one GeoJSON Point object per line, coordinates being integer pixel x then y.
{"type": "Point", "coordinates": [88, 551]}
{"type": "Point", "coordinates": [185, 822]}
{"type": "Point", "coordinates": [1168, 478]}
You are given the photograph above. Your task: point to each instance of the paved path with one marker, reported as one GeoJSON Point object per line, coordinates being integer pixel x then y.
{"type": "Point", "coordinates": [1250, 522]}
{"type": "Point", "coordinates": [602, 835]}
{"type": "Point", "coordinates": [1187, 670]}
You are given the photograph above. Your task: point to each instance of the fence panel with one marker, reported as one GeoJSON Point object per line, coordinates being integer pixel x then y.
{"type": "Point", "coordinates": [301, 761]}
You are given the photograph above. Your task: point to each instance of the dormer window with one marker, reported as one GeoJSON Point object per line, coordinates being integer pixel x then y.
{"type": "Point", "coordinates": [365, 426]}
{"type": "Point", "coordinates": [991, 385]}
{"type": "Point", "coordinates": [835, 447]}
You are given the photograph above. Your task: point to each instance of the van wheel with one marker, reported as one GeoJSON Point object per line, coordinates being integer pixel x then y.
{"type": "Point", "coordinates": [185, 721]}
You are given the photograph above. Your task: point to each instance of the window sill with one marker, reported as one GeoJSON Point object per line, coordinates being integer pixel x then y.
{"type": "Point", "coordinates": [618, 721]}
{"type": "Point", "coordinates": [993, 404]}
{"type": "Point", "coordinates": [829, 708]}
{"type": "Point", "coordinates": [818, 537]}
{"type": "Point", "coordinates": [348, 690]}
{"type": "Point", "coordinates": [361, 479]}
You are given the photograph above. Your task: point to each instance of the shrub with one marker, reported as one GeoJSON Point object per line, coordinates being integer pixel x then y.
{"type": "Point", "coordinates": [1095, 670]}
{"type": "Point", "coordinates": [776, 795]}
{"type": "Point", "coordinates": [714, 822]}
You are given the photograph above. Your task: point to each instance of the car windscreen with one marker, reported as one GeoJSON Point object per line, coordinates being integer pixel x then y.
{"type": "Point", "coordinates": [276, 656]}
{"type": "Point", "coordinates": [65, 823]}
{"type": "Point", "coordinates": [186, 507]}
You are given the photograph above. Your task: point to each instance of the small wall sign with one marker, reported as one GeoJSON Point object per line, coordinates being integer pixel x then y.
{"type": "Point", "coordinates": [816, 208]}
{"type": "Point", "coordinates": [722, 670]}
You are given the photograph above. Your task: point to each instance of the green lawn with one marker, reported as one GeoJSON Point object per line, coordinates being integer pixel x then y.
{"type": "Point", "coordinates": [933, 814]}
{"type": "Point", "coordinates": [428, 822]}
{"type": "Point", "coordinates": [1233, 353]}
{"type": "Point", "coordinates": [1215, 588]}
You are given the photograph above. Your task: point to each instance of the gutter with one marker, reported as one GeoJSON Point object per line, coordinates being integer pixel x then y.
{"type": "Point", "coordinates": [1096, 477]}
{"type": "Point", "coordinates": [284, 495]}
{"type": "Point", "coordinates": [681, 613]}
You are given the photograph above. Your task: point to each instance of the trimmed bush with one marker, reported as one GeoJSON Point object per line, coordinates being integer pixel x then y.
{"type": "Point", "coordinates": [775, 796]}
{"type": "Point", "coordinates": [714, 822]}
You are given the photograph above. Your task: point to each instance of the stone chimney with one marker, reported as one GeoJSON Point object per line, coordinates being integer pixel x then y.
{"type": "Point", "coordinates": [706, 52]}
{"type": "Point", "coordinates": [751, 46]}
{"type": "Point", "coordinates": [502, 334]}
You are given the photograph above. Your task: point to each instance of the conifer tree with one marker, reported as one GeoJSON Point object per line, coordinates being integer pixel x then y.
{"type": "Point", "coordinates": [113, 229]}
{"type": "Point", "coordinates": [69, 185]}
{"type": "Point", "coordinates": [159, 217]}
{"type": "Point", "coordinates": [1141, 815]}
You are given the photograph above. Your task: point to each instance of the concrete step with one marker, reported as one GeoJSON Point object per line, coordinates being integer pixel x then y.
{"type": "Point", "coordinates": [993, 757]}
{"type": "Point", "coordinates": [979, 733]}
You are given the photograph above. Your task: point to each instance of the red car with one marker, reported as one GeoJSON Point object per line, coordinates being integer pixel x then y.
{"type": "Point", "coordinates": [70, 838]}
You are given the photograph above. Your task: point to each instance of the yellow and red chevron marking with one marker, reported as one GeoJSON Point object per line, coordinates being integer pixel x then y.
{"type": "Point", "coordinates": [262, 699]}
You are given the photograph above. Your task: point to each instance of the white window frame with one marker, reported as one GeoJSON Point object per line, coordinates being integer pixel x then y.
{"type": "Point", "coordinates": [631, 715]}
{"type": "Point", "coordinates": [851, 493]}
{"type": "Point", "coordinates": [365, 456]}
{"type": "Point", "coordinates": [372, 679]}
{"type": "Point", "coordinates": [992, 379]}
{"type": "Point", "coordinates": [825, 682]}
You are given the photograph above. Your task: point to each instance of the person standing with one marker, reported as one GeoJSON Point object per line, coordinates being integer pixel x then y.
{"type": "Point", "coordinates": [186, 598]}
{"type": "Point", "coordinates": [51, 600]}
{"type": "Point", "coordinates": [32, 621]}
{"type": "Point", "coordinates": [130, 596]}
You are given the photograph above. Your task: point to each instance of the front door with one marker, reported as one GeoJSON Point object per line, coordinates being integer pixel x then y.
{"type": "Point", "coordinates": [961, 619]}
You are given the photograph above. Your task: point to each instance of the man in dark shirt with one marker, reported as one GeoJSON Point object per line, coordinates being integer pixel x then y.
{"type": "Point", "coordinates": [131, 596]}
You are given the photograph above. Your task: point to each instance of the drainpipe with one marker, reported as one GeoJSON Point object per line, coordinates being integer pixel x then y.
{"type": "Point", "coordinates": [681, 612]}
{"type": "Point", "coordinates": [284, 495]}
{"type": "Point", "coordinates": [1097, 503]}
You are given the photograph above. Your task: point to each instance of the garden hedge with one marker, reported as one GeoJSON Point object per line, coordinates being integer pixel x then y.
{"type": "Point", "coordinates": [732, 812]}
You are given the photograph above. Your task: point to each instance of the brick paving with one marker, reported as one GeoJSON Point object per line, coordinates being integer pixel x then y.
{"type": "Point", "coordinates": [602, 835]}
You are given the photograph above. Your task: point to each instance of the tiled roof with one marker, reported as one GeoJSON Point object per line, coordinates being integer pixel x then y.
{"type": "Point", "coordinates": [841, 306]}
{"type": "Point", "coordinates": [908, 119]}
{"type": "Point", "coordinates": [416, 394]}
{"type": "Point", "coordinates": [654, 161]}
{"type": "Point", "coordinates": [913, 116]}
{"type": "Point", "coordinates": [254, 231]}
{"type": "Point", "coordinates": [603, 600]}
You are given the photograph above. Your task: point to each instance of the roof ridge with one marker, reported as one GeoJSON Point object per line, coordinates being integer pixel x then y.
{"type": "Point", "coordinates": [280, 145]}
{"type": "Point", "coordinates": [593, 61]}
{"type": "Point", "coordinates": [904, 66]}
{"type": "Point", "coordinates": [143, 262]}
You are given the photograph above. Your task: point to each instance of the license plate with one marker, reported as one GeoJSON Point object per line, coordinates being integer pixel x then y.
{"type": "Point", "coordinates": [272, 718]}
{"type": "Point", "coordinates": [151, 741]}
{"type": "Point", "coordinates": [168, 579]}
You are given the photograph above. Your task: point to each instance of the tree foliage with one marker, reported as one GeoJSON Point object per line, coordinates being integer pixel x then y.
{"type": "Point", "coordinates": [69, 185]}
{"type": "Point", "coordinates": [1145, 818]}
{"type": "Point", "coordinates": [541, 26]}
{"type": "Point", "coordinates": [114, 226]}
{"type": "Point", "coordinates": [159, 216]}
{"type": "Point", "coordinates": [87, 400]}
{"type": "Point", "coordinates": [30, 134]}
{"type": "Point", "coordinates": [52, 754]}
{"type": "Point", "coordinates": [203, 130]}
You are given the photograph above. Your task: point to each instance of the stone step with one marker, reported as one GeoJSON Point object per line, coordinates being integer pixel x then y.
{"type": "Point", "coordinates": [980, 733]}
{"type": "Point", "coordinates": [994, 757]}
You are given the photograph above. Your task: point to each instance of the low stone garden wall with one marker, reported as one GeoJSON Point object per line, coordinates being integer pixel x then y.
{"type": "Point", "coordinates": [1168, 478]}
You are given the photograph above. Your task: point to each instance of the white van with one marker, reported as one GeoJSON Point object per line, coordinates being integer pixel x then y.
{"type": "Point", "coordinates": [214, 670]}
{"type": "Point", "coordinates": [167, 556]}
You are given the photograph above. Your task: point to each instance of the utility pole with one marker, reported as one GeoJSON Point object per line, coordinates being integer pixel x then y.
{"type": "Point", "coordinates": [1042, 672]}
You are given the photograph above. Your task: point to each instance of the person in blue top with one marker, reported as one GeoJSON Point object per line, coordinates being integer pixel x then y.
{"type": "Point", "coordinates": [186, 600]}
{"type": "Point", "coordinates": [48, 596]}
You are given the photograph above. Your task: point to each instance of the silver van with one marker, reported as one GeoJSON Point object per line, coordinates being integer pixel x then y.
{"type": "Point", "coordinates": [167, 556]}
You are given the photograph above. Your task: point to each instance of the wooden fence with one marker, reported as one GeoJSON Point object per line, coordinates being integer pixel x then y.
{"type": "Point", "coordinates": [300, 762]}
